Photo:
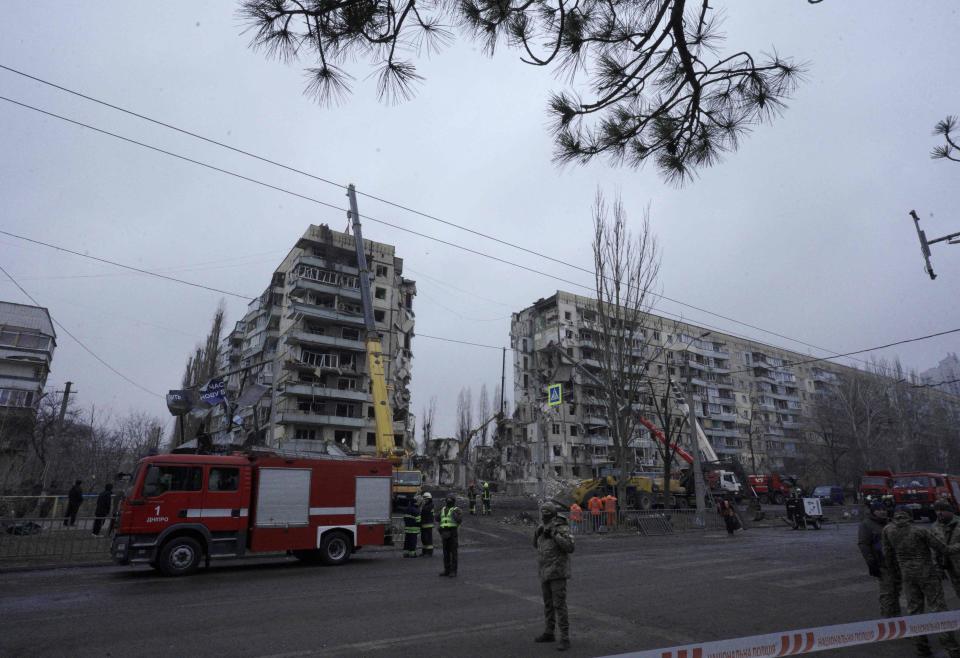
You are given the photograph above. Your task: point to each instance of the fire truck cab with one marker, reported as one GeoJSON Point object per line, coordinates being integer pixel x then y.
{"type": "Point", "coordinates": [182, 509]}
{"type": "Point", "coordinates": [918, 491]}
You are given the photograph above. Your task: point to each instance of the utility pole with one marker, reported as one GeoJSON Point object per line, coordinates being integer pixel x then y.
{"type": "Point", "coordinates": [503, 377]}
{"type": "Point", "coordinates": [57, 437]}
{"type": "Point", "coordinates": [694, 442]}
{"type": "Point", "coordinates": [951, 238]}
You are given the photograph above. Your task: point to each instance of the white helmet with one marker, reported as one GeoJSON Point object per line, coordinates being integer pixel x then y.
{"type": "Point", "coordinates": [427, 496]}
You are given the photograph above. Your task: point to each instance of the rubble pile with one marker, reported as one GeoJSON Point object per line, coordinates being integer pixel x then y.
{"type": "Point", "coordinates": [520, 518]}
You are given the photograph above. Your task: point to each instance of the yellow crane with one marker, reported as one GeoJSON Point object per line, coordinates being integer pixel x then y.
{"type": "Point", "coordinates": [406, 483]}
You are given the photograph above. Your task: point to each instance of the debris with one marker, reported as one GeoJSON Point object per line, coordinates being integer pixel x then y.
{"type": "Point", "coordinates": [520, 518]}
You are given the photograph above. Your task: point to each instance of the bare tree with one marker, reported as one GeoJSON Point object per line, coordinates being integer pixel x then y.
{"type": "Point", "coordinates": [201, 367]}
{"type": "Point", "coordinates": [646, 78]}
{"type": "Point", "coordinates": [626, 267]}
{"type": "Point", "coordinates": [464, 430]}
{"type": "Point", "coordinates": [755, 428]}
{"type": "Point", "coordinates": [429, 414]}
{"type": "Point", "coordinates": [483, 413]}
{"type": "Point", "coordinates": [950, 149]}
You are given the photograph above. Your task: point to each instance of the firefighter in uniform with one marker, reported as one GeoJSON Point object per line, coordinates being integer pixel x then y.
{"type": "Point", "coordinates": [450, 519]}
{"type": "Point", "coordinates": [947, 530]}
{"type": "Point", "coordinates": [426, 525]}
{"type": "Point", "coordinates": [871, 547]}
{"type": "Point", "coordinates": [472, 498]}
{"type": "Point", "coordinates": [486, 498]}
{"type": "Point", "coordinates": [908, 547]}
{"type": "Point", "coordinates": [411, 528]}
{"type": "Point", "coordinates": [554, 544]}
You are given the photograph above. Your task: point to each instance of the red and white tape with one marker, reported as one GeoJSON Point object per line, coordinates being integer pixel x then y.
{"type": "Point", "coordinates": [811, 640]}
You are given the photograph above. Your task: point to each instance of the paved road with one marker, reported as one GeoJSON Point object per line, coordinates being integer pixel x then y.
{"type": "Point", "coordinates": [627, 593]}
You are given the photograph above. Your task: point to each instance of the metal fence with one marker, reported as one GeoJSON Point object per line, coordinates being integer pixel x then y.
{"type": "Point", "coordinates": [43, 540]}
{"type": "Point", "coordinates": [43, 507]}
{"type": "Point", "coordinates": [651, 522]}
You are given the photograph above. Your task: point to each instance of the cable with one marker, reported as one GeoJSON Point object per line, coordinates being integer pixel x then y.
{"type": "Point", "coordinates": [390, 203]}
{"type": "Point", "coordinates": [461, 342]}
{"type": "Point", "coordinates": [127, 267]}
{"type": "Point", "coordinates": [935, 384]}
{"type": "Point", "coordinates": [78, 341]}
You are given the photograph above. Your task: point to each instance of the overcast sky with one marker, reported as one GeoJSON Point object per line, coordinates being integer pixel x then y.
{"type": "Point", "coordinates": [804, 231]}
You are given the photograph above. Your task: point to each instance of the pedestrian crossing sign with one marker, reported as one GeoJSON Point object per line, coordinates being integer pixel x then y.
{"type": "Point", "coordinates": [555, 395]}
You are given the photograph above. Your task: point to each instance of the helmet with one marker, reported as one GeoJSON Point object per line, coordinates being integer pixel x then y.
{"type": "Point", "coordinates": [427, 496]}
{"type": "Point", "coordinates": [877, 505]}
{"type": "Point", "coordinates": [548, 509]}
{"type": "Point", "coordinates": [943, 505]}
{"type": "Point", "coordinates": [451, 500]}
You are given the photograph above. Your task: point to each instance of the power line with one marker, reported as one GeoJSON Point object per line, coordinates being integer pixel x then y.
{"type": "Point", "coordinates": [78, 341]}
{"type": "Point", "coordinates": [126, 267]}
{"type": "Point", "coordinates": [388, 202]}
{"type": "Point", "coordinates": [935, 384]}
{"type": "Point", "coordinates": [462, 342]}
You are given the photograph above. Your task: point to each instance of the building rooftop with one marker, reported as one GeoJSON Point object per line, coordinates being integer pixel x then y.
{"type": "Point", "coordinates": [23, 316]}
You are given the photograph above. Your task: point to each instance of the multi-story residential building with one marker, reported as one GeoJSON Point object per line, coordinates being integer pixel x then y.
{"type": "Point", "coordinates": [747, 396]}
{"type": "Point", "coordinates": [302, 343]}
{"type": "Point", "coordinates": [27, 342]}
{"type": "Point", "coordinates": [945, 376]}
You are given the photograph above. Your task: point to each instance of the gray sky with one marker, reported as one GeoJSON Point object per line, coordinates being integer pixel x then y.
{"type": "Point", "coordinates": [803, 231]}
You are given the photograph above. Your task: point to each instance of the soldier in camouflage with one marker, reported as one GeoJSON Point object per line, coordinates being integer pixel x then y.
{"type": "Point", "coordinates": [946, 530]}
{"type": "Point", "coordinates": [908, 548]}
{"type": "Point", "coordinates": [554, 545]}
{"type": "Point", "coordinates": [871, 547]}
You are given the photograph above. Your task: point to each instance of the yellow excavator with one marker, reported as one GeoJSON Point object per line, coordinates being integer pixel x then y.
{"type": "Point", "coordinates": [407, 483]}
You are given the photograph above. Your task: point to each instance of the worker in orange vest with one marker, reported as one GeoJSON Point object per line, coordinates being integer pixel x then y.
{"type": "Point", "coordinates": [595, 505]}
{"type": "Point", "coordinates": [576, 518]}
{"type": "Point", "coordinates": [610, 505]}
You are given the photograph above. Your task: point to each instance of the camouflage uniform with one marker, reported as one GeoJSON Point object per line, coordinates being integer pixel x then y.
{"type": "Point", "coordinates": [870, 544]}
{"type": "Point", "coordinates": [908, 547]}
{"type": "Point", "coordinates": [949, 533]}
{"type": "Point", "coordinates": [554, 544]}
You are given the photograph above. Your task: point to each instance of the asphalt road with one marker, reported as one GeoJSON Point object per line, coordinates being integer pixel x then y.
{"type": "Point", "coordinates": [627, 593]}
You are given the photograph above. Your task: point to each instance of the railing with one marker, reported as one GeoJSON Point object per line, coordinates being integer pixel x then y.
{"type": "Point", "coordinates": [650, 522]}
{"type": "Point", "coordinates": [49, 540]}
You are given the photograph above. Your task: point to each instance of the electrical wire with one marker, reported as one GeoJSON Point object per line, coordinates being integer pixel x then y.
{"type": "Point", "coordinates": [461, 342]}
{"type": "Point", "coordinates": [139, 270]}
{"type": "Point", "coordinates": [388, 202]}
{"type": "Point", "coordinates": [80, 342]}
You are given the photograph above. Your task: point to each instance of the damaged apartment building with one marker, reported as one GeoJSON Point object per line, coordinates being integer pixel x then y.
{"type": "Point", "coordinates": [747, 397]}
{"type": "Point", "coordinates": [298, 356]}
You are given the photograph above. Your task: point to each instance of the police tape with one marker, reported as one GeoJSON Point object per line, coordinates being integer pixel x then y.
{"type": "Point", "coordinates": [811, 640]}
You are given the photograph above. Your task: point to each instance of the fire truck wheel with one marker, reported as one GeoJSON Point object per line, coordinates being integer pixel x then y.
{"type": "Point", "coordinates": [180, 556]}
{"type": "Point", "coordinates": [644, 501]}
{"type": "Point", "coordinates": [778, 498]}
{"type": "Point", "coordinates": [335, 548]}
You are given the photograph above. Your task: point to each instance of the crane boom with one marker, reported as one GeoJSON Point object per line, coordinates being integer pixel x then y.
{"type": "Point", "coordinates": [383, 415]}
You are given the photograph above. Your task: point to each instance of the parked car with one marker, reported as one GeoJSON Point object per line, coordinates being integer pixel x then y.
{"type": "Point", "coordinates": [829, 494]}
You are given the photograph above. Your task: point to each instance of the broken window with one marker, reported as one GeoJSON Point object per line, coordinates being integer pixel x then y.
{"type": "Point", "coordinates": [380, 293]}
{"type": "Point", "coordinates": [343, 437]}
{"type": "Point", "coordinates": [382, 271]}
{"type": "Point", "coordinates": [379, 316]}
{"type": "Point", "coordinates": [350, 334]}
{"type": "Point", "coordinates": [371, 439]}
{"type": "Point", "coordinates": [556, 428]}
{"type": "Point", "coordinates": [305, 434]}
{"type": "Point", "coordinates": [573, 430]}
{"type": "Point", "coordinates": [557, 451]}
{"type": "Point", "coordinates": [566, 315]}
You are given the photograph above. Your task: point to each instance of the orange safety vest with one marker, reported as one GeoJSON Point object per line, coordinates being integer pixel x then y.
{"type": "Point", "coordinates": [610, 502]}
{"type": "Point", "coordinates": [595, 506]}
{"type": "Point", "coordinates": [576, 513]}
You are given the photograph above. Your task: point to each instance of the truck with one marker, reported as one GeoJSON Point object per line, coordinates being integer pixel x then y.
{"type": "Point", "coordinates": [643, 491]}
{"type": "Point", "coordinates": [774, 488]}
{"type": "Point", "coordinates": [919, 490]}
{"type": "Point", "coordinates": [876, 484]}
{"type": "Point", "coordinates": [182, 509]}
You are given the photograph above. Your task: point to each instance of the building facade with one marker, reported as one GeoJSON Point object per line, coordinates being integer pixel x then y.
{"type": "Point", "coordinates": [27, 343]}
{"type": "Point", "coordinates": [945, 376]}
{"type": "Point", "coordinates": [747, 397]}
{"type": "Point", "coordinates": [297, 360]}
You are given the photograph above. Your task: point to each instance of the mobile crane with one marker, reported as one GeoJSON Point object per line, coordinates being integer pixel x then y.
{"type": "Point", "coordinates": [406, 483]}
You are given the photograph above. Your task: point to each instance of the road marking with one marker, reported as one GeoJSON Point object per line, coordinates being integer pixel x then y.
{"type": "Point", "coordinates": [750, 575]}
{"type": "Point", "coordinates": [619, 623]}
{"type": "Point", "coordinates": [388, 643]}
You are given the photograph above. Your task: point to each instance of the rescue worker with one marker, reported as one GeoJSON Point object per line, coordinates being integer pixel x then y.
{"type": "Point", "coordinates": [871, 547]}
{"type": "Point", "coordinates": [411, 528]}
{"type": "Point", "coordinates": [426, 525]}
{"type": "Point", "coordinates": [450, 520]}
{"type": "Point", "coordinates": [610, 506]}
{"type": "Point", "coordinates": [472, 498]}
{"type": "Point", "coordinates": [595, 505]}
{"type": "Point", "coordinates": [576, 518]}
{"type": "Point", "coordinates": [729, 516]}
{"type": "Point", "coordinates": [486, 498]}
{"type": "Point", "coordinates": [908, 548]}
{"type": "Point", "coordinates": [946, 530]}
{"type": "Point", "coordinates": [554, 545]}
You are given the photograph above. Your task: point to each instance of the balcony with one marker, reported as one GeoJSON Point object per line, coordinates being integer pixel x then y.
{"type": "Point", "coordinates": [308, 390]}
{"type": "Point", "coordinates": [304, 283]}
{"type": "Point", "coordinates": [324, 313]}
{"type": "Point", "coordinates": [599, 421]}
{"type": "Point", "coordinates": [326, 264]}
{"type": "Point", "coordinates": [598, 440]}
{"type": "Point", "coordinates": [310, 338]}
{"type": "Point", "coordinates": [297, 417]}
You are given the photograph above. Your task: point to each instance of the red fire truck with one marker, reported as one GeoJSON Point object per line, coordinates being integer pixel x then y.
{"type": "Point", "coordinates": [918, 491]}
{"type": "Point", "coordinates": [876, 484]}
{"type": "Point", "coordinates": [773, 489]}
{"type": "Point", "coordinates": [182, 509]}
